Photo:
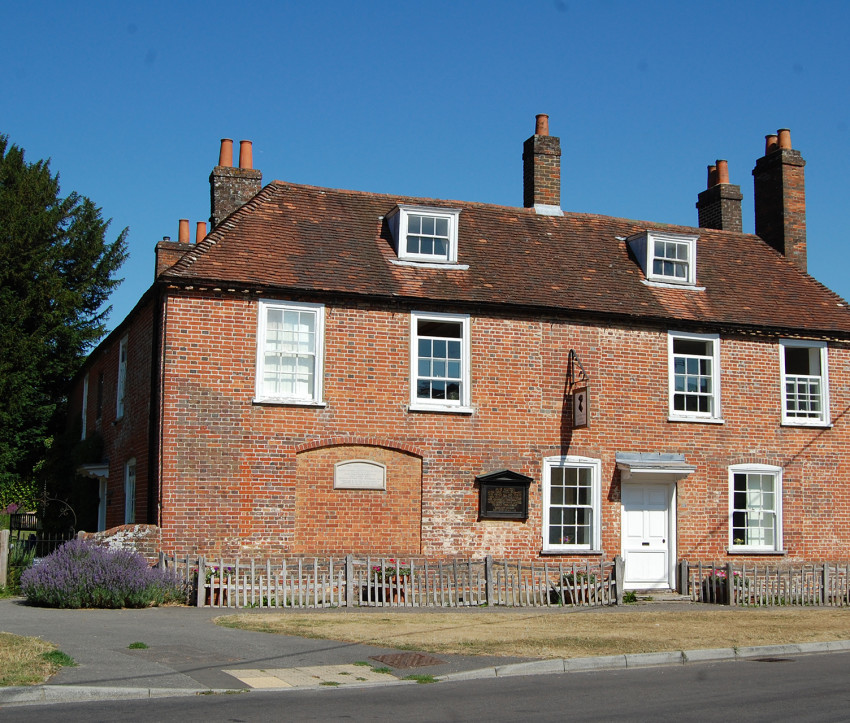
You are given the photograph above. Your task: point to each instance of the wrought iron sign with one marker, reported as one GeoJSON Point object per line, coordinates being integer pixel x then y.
{"type": "Point", "coordinates": [577, 383]}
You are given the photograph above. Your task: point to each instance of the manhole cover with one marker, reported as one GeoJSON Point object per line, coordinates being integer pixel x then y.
{"type": "Point", "coordinates": [773, 660]}
{"type": "Point", "coordinates": [407, 660]}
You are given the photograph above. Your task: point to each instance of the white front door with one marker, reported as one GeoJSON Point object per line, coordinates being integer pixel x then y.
{"type": "Point", "coordinates": [647, 538]}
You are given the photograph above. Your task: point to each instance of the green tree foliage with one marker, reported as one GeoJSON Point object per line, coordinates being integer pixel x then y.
{"type": "Point", "coordinates": [56, 272]}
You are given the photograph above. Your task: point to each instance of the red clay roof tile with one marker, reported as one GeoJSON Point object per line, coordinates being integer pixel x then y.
{"type": "Point", "coordinates": [314, 240]}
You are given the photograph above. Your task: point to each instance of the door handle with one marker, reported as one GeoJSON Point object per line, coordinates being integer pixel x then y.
{"type": "Point", "coordinates": [645, 544]}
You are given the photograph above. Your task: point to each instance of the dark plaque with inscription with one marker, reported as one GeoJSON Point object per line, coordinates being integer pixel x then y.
{"type": "Point", "coordinates": [503, 495]}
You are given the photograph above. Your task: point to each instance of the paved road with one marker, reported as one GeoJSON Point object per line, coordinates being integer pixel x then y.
{"type": "Point", "coordinates": [799, 688]}
{"type": "Point", "coordinates": [188, 654]}
{"type": "Point", "coordinates": [186, 649]}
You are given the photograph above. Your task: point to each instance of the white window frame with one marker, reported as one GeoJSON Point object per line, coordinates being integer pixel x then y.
{"type": "Point", "coordinates": [643, 247]}
{"type": "Point", "coordinates": [823, 419]}
{"type": "Point", "coordinates": [399, 219]}
{"type": "Point", "coordinates": [573, 462]}
{"type": "Point", "coordinates": [130, 492]}
{"type": "Point", "coordinates": [461, 405]}
{"type": "Point", "coordinates": [738, 544]}
{"type": "Point", "coordinates": [121, 387]}
{"type": "Point", "coordinates": [684, 415]}
{"type": "Point", "coordinates": [84, 412]}
{"type": "Point", "coordinates": [318, 310]}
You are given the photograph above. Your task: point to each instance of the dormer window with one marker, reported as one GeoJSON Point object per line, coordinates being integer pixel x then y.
{"type": "Point", "coordinates": [666, 258]}
{"type": "Point", "coordinates": [424, 234]}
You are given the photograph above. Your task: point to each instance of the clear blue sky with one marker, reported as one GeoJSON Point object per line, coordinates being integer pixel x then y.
{"type": "Point", "coordinates": [129, 100]}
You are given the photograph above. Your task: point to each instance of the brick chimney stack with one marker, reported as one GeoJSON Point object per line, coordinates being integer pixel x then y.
{"type": "Point", "coordinates": [780, 198]}
{"type": "Point", "coordinates": [232, 187]}
{"type": "Point", "coordinates": [541, 166]}
{"type": "Point", "coordinates": [719, 206]}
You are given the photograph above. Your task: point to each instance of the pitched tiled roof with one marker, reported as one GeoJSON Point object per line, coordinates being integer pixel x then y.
{"type": "Point", "coordinates": [292, 238]}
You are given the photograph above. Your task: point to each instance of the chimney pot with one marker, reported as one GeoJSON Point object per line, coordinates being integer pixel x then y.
{"type": "Point", "coordinates": [183, 231]}
{"type": "Point", "coordinates": [542, 126]}
{"type": "Point", "coordinates": [771, 143]}
{"type": "Point", "coordinates": [166, 238]}
{"type": "Point", "coordinates": [246, 158]}
{"type": "Point", "coordinates": [719, 205]}
{"type": "Point", "coordinates": [225, 155]}
{"type": "Point", "coordinates": [784, 138]}
{"type": "Point", "coordinates": [200, 231]}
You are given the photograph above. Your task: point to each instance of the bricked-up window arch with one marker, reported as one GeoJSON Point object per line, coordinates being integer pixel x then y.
{"type": "Point", "coordinates": [694, 376]}
{"type": "Point", "coordinates": [805, 382]}
{"type": "Point", "coordinates": [290, 342]}
{"type": "Point", "coordinates": [439, 362]}
{"type": "Point", "coordinates": [755, 508]}
{"type": "Point", "coordinates": [571, 504]}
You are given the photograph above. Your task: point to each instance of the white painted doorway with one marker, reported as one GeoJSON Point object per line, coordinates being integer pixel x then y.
{"type": "Point", "coordinates": [101, 507]}
{"type": "Point", "coordinates": [648, 535]}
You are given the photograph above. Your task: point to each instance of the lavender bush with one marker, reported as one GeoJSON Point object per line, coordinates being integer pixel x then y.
{"type": "Point", "coordinates": [83, 575]}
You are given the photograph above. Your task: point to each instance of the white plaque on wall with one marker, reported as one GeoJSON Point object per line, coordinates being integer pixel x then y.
{"type": "Point", "coordinates": [360, 474]}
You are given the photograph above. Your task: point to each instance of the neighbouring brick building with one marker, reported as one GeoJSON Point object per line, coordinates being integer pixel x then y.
{"type": "Point", "coordinates": [334, 371]}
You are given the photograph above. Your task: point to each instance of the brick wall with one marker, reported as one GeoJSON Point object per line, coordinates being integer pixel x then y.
{"type": "Point", "coordinates": [127, 437]}
{"type": "Point", "coordinates": [243, 478]}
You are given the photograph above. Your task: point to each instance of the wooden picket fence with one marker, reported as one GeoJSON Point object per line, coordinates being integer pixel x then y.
{"type": "Point", "coordinates": [315, 582]}
{"type": "Point", "coordinates": [754, 585]}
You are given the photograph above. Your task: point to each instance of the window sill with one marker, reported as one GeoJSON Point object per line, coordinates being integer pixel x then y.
{"type": "Point", "coordinates": [698, 420]}
{"type": "Point", "coordinates": [671, 285]}
{"type": "Point", "coordinates": [288, 402]}
{"type": "Point", "coordinates": [763, 553]}
{"type": "Point", "coordinates": [804, 425]}
{"type": "Point", "coordinates": [432, 264]}
{"type": "Point", "coordinates": [440, 409]}
{"type": "Point", "coordinates": [578, 551]}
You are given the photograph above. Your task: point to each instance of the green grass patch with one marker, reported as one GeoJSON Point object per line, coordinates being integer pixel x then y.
{"type": "Point", "coordinates": [383, 669]}
{"type": "Point", "coordinates": [57, 657]}
{"type": "Point", "coordinates": [421, 678]}
{"type": "Point", "coordinates": [138, 645]}
{"type": "Point", "coordinates": [332, 683]}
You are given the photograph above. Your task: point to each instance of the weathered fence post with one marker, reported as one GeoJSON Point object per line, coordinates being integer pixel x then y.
{"type": "Point", "coordinates": [488, 580]}
{"type": "Point", "coordinates": [4, 556]}
{"type": "Point", "coordinates": [730, 585]}
{"type": "Point", "coordinates": [619, 577]}
{"type": "Point", "coordinates": [349, 580]}
{"type": "Point", "coordinates": [683, 577]}
{"type": "Point", "coordinates": [824, 595]}
{"type": "Point", "coordinates": [202, 579]}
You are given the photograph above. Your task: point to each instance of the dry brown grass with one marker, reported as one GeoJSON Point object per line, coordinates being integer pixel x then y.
{"type": "Point", "coordinates": [528, 634]}
{"type": "Point", "coordinates": [21, 661]}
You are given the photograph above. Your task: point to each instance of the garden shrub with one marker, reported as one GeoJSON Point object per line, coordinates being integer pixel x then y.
{"type": "Point", "coordinates": [83, 575]}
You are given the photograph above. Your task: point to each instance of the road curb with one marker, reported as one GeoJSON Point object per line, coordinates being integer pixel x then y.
{"type": "Point", "coordinates": [20, 695]}
{"type": "Point", "coordinates": [647, 660]}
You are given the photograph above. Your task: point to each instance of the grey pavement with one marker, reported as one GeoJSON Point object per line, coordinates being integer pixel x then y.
{"type": "Point", "coordinates": [188, 654]}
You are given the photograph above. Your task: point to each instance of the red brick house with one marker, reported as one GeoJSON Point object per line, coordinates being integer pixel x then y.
{"type": "Point", "coordinates": [334, 371]}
